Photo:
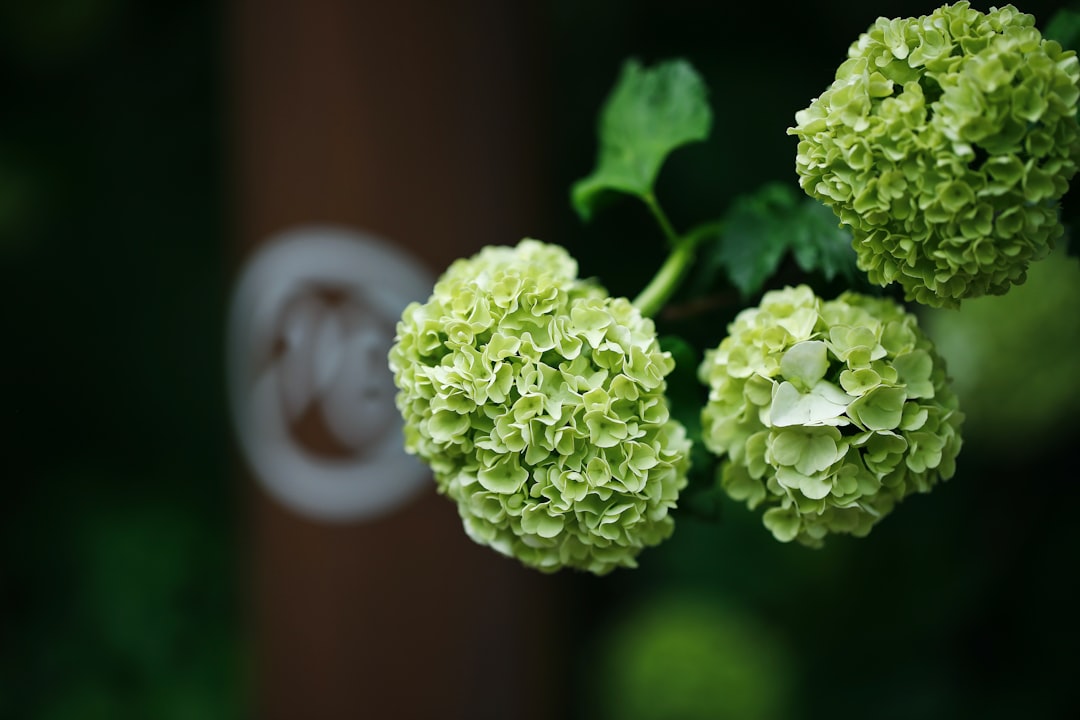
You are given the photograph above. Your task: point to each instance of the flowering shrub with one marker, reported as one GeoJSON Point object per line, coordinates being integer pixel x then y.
{"type": "Point", "coordinates": [945, 144]}
{"type": "Point", "coordinates": [548, 410]}
{"type": "Point", "coordinates": [828, 412]}
{"type": "Point", "coordinates": [538, 401]}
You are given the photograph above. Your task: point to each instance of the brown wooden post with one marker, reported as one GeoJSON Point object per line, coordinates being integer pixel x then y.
{"type": "Point", "coordinates": [411, 120]}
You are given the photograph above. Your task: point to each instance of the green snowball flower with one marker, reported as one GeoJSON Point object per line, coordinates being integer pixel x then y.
{"type": "Point", "coordinates": [538, 401]}
{"type": "Point", "coordinates": [828, 413]}
{"type": "Point", "coordinates": [945, 143]}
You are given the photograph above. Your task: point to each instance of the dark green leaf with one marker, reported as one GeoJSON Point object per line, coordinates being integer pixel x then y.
{"type": "Point", "coordinates": [820, 243]}
{"type": "Point", "coordinates": [756, 236]}
{"type": "Point", "coordinates": [760, 229]}
{"type": "Point", "coordinates": [650, 113]}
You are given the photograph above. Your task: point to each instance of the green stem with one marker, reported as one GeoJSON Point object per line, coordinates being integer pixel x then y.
{"type": "Point", "coordinates": [666, 281]}
{"type": "Point", "coordinates": [667, 278]}
{"type": "Point", "coordinates": [661, 219]}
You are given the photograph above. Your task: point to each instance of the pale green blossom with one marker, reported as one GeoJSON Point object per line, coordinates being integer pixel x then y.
{"type": "Point", "coordinates": [538, 401]}
{"type": "Point", "coordinates": [945, 143]}
{"type": "Point", "coordinates": [827, 413]}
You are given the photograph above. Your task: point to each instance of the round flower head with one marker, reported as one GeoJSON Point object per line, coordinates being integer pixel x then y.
{"type": "Point", "coordinates": [945, 143]}
{"type": "Point", "coordinates": [828, 412]}
{"type": "Point", "coordinates": [538, 401]}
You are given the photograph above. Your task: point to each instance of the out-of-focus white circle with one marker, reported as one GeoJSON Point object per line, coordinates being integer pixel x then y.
{"type": "Point", "coordinates": [310, 326]}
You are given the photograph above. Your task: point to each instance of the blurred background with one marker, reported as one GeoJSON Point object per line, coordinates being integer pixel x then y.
{"type": "Point", "coordinates": [147, 150]}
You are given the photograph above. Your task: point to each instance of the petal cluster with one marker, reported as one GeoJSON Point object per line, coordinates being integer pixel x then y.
{"type": "Point", "coordinates": [945, 143]}
{"type": "Point", "coordinates": [828, 412]}
{"type": "Point", "coordinates": [538, 401]}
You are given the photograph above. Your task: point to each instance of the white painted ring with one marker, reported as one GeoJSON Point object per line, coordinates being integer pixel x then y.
{"type": "Point", "coordinates": [292, 351]}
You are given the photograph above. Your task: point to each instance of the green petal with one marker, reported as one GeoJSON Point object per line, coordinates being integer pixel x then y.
{"type": "Point", "coordinates": [805, 362]}
{"type": "Point", "coordinates": [505, 477]}
{"type": "Point", "coordinates": [880, 409]}
{"type": "Point", "coordinates": [823, 404]}
{"type": "Point", "coordinates": [783, 523]}
{"type": "Point", "coordinates": [536, 520]}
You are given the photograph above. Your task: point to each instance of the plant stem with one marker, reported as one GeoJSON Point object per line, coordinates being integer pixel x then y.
{"type": "Point", "coordinates": [661, 219]}
{"type": "Point", "coordinates": [666, 281]}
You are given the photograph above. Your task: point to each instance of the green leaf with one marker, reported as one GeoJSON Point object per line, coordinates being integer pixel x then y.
{"type": "Point", "coordinates": [821, 244]}
{"type": "Point", "coordinates": [649, 113]}
{"type": "Point", "coordinates": [761, 228]}
{"type": "Point", "coordinates": [756, 236]}
{"type": "Point", "coordinates": [686, 358]}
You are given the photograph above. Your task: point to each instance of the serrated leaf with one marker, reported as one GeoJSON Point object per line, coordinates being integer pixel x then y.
{"type": "Point", "coordinates": [755, 236]}
{"type": "Point", "coordinates": [760, 229]}
{"type": "Point", "coordinates": [820, 243]}
{"type": "Point", "coordinates": [649, 113]}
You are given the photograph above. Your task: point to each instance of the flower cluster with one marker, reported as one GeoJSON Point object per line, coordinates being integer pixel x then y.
{"type": "Point", "coordinates": [945, 143]}
{"type": "Point", "coordinates": [828, 412]}
{"type": "Point", "coordinates": [538, 401]}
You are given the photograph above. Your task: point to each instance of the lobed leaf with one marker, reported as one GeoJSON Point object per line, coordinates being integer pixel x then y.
{"type": "Point", "coordinates": [649, 113]}
{"type": "Point", "coordinates": [760, 229]}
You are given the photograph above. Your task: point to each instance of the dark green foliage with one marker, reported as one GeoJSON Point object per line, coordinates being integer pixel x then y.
{"type": "Point", "coordinates": [761, 230]}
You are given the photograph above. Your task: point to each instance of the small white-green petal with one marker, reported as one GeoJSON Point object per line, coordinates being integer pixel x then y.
{"type": "Point", "coordinates": [816, 486]}
{"type": "Point", "coordinates": [505, 477]}
{"type": "Point", "coordinates": [914, 370]}
{"type": "Point", "coordinates": [535, 519]}
{"type": "Point", "coordinates": [821, 404]}
{"type": "Point", "coordinates": [820, 452]}
{"type": "Point", "coordinates": [784, 524]}
{"type": "Point", "coordinates": [880, 409]}
{"type": "Point", "coordinates": [805, 362]}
